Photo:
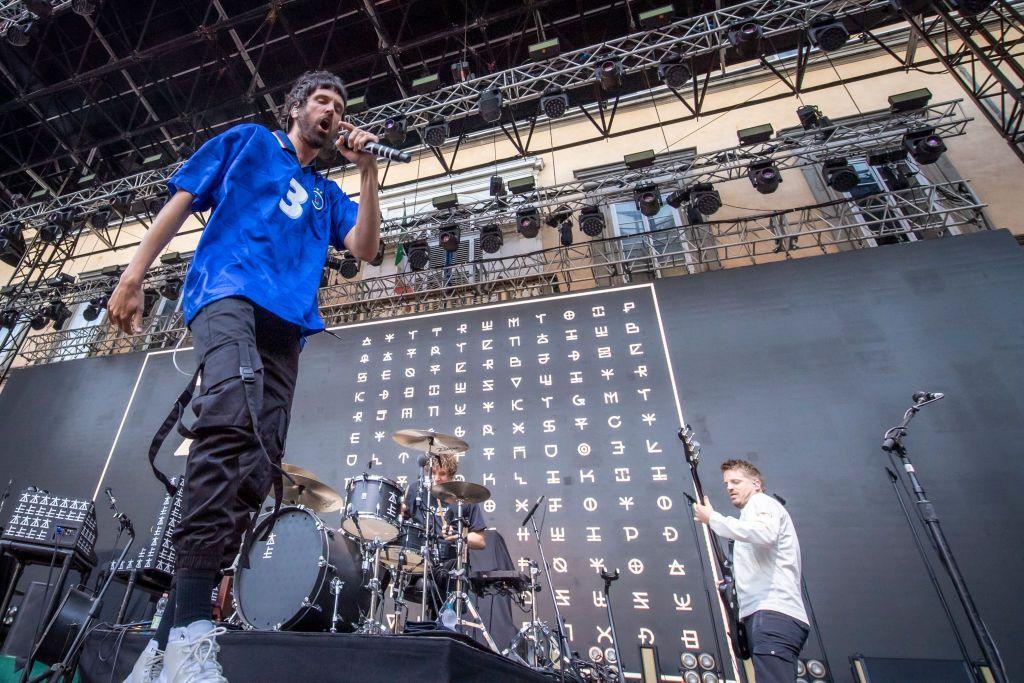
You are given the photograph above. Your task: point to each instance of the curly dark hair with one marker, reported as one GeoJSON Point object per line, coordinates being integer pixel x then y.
{"type": "Point", "coordinates": [306, 85]}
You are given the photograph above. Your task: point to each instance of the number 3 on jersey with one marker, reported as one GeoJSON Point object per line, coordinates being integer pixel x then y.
{"type": "Point", "coordinates": [292, 202]}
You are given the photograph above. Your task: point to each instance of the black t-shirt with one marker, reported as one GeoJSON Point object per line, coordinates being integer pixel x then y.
{"type": "Point", "coordinates": [472, 515]}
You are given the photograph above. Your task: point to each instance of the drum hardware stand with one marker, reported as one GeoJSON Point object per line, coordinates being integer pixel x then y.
{"type": "Point", "coordinates": [337, 585]}
{"type": "Point", "coordinates": [371, 624]}
{"type": "Point", "coordinates": [397, 580]}
{"type": "Point", "coordinates": [428, 523]}
{"type": "Point", "coordinates": [608, 577]}
{"type": "Point", "coordinates": [892, 443]}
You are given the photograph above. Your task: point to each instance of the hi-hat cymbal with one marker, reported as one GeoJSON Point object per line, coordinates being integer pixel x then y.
{"type": "Point", "coordinates": [453, 491]}
{"type": "Point", "coordinates": [427, 441]}
{"type": "Point", "coordinates": [308, 490]}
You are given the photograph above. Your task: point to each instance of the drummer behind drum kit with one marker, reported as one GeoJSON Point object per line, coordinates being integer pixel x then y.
{"type": "Point", "coordinates": [305, 576]}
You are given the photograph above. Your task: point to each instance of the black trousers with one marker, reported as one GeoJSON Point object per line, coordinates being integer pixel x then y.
{"type": "Point", "coordinates": [228, 476]}
{"type": "Point", "coordinates": [775, 643]}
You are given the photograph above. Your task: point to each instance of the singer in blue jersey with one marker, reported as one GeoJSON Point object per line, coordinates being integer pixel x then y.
{"type": "Point", "coordinates": [250, 297]}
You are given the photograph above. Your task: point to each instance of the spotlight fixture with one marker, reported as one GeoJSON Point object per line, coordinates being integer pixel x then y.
{"type": "Point", "coordinates": [349, 266]}
{"type": "Point", "coordinates": [609, 74]}
{"type": "Point", "coordinates": [745, 33]}
{"type": "Point", "coordinates": [677, 198]}
{"type": "Point", "coordinates": [544, 50]}
{"type": "Point", "coordinates": [171, 288]}
{"type": "Point", "coordinates": [925, 145]}
{"type": "Point", "coordinates": [95, 306]}
{"type": "Point", "coordinates": [449, 236]}
{"type": "Point", "coordinates": [436, 133]}
{"type": "Point", "coordinates": [16, 35]}
{"type": "Point", "coordinates": [100, 219]}
{"type": "Point", "coordinates": [395, 129]}
{"type": "Point", "coordinates": [591, 221]}
{"type": "Point", "coordinates": [490, 104]}
{"type": "Point", "coordinates": [462, 72]}
{"type": "Point", "coordinates": [755, 134]}
{"type": "Point", "coordinates": [12, 244]}
{"type": "Point", "coordinates": [764, 176]}
{"type": "Point", "coordinates": [810, 116]}
{"type": "Point", "coordinates": [558, 216]}
{"type": "Point", "coordinates": [528, 221]}
{"type": "Point", "coordinates": [705, 198]}
{"type": "Point", "coordinates": [58, 225]}
{"type": "Point", "coordinates": [657, 17]}
{"type": "Point", "coordinates": [892, 155]}
{"type": "Point", "coordinates": [554, 102]}
{"type": "Point", "coordinates": [122, 202]}
{"type": "Point", "coordinates": [672, 72]}
{"type": "Point", "coordinates": [828, 33]}
{"type": "Point", "coordinates": [497, 188]}
{"type": "Point", "coordinates": [9, 318]}
{"type": "Point", "coordinates": [418, 254]}
{"type": "Point", "coordinates": [58, 312]}
{"type": "Point", "coordinates": [565, 234]}
{"type": "Point", "coordinates": [379, 258]}
{"type": "Point", "coordinates": [83, 8]}
{"type": "Point", "coordinates": [909, 101]}
{"type": "Point", "coordinates": [491, 239]}
{"type": "Point", "coordinates": [639, 159]}
{"type": "Point", "coordinates": [521, 185]}
{"type": "Point", "coordinates": [647, 199]}
{"type": "Point", "coordinates": [839, 174]}
{"type": "Point", "coordinates": [38, 320]}
{"type": "Point", "coordinates": [444, 202]}
{"type": "Point", "coordinates": [426, 84]}
{"type": "Point", "coordinates": [18, 200]}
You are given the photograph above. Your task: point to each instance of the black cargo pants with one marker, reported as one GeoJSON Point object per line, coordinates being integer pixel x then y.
{"type": "Point", "coordinates": [228, 475]}
{"type": "Point", "coordinates": [775, 643]}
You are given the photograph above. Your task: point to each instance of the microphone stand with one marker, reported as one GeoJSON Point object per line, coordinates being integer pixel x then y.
{"type": "Point", "coordinates": [608, 577]}
{"type": "Point", "coordinates": [893, 443]}
{"type": "Point", "coordinates": [62, 669]}
{"type": "Point", "coordinates": [563, 642]}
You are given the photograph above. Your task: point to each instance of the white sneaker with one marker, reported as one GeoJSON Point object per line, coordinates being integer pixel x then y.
{"type": "Point", "coordinates": [148, 666]}
{"type": "Point", "coordinates": [191, 655]}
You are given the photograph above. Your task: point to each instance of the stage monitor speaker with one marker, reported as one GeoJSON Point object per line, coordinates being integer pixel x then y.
{"type": "Point", "coordinates": [901, 670]}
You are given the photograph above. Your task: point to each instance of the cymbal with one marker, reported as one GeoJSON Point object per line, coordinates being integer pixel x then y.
{"type": "Point", "coordinates": [420, 440]}
{"type": "Point", "coordinates": [466, 491]}
{"type": "Point", "coordinates": [308, 490]}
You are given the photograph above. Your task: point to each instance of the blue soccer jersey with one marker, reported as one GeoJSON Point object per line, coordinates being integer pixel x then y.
{"type": "Point", "coordinates": [266, 240]}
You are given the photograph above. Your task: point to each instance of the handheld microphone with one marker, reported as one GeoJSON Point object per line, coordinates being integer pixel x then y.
{"type": "Point", "coordinates": [110, 497]}
{"type": "Point", "coordinates": [383, 151]}
{"type": "Point", "coordinates": [533, 510]}
{"type": "Point", "coordinates": [920, 396]}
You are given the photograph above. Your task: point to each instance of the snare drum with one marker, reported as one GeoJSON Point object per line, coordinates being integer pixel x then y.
{"type": "Point", "coordinates": [411, 539]}
{"type": "Point", "coordinates": [373, 508]}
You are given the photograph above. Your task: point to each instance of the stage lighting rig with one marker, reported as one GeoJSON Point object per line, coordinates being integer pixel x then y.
{"type": "Point", "coordinates": [811, 118]}
{"type": "Point", "coordinates": [491, 239]}
{"type": "Point", "coordinates": [544, 50]}
{"type": "Point", "coordinates": [395, 129]}
{"type": "Point", "coordinates": [122, 202]}
{"type": "Point", "coordinates": [755, 135]}
{"type": "Point", "coordinates": [554, 102]}
{"type": "Point", "coordinates": [83, 8]}
{"type": "Point", "coordinates": [673, 72]}
{"type": "Point", "coordinates": [94, 307]}
{"type": "Point", "coordinates": [379, 258]}
{"type": "Point", "coordinates": [677, 198]}
{"type": "Point", "coordinates": [349, 266]}
{"type": "Point", "coordinates": [18, 200]}
{"type": "Point", "coordinates": [591, 221]}
{"type": "Point", "coordinates": [647, 199]}
{"type": "Point", "coordinates": [887, 156]}
{"type": "Point", "coordinates": [462, 72]}
{"type": "Point", "coordinates": [436, 132]}
{"type": "Point", "coordinates": [744, 35]}
{"type": "Point", "coordinates": [426, 84]}
{"type": "Point", "coordinates": [839, 174]}
{"type": "Point", "coordinates": [12, 243]}
{"type": "Point", "coordinates": [558, 216]}
{"type": "Point", "coordinates": [828, 33]}
{"type": "Point", "coordinates": [497, 186]}
{"type": "Point", "coordinates": [490, 104]}
{"type": "Point", "coordinates": [58, 312]}
{"type": "Point", "coordinates": [9, 318]}
{"type": "Point", "coordinates": [910, 101]}
{"type": "Point", "coordinates": [38, 320]}
{"type": "Point", "coordinates": [657, 17]}
{"type": "Point", "coordinates": [925, 145]}
{"type": "Point", "coordinates": [528, 221]}
{"type": "Point", "coordinates": [171, 288]}
{"type": "Point", "coordinates": [100, 219]}
{"type": "Point", "coordinates": [450, 236]}
{"type": "Point", "coordinates": [418, 254]}
{"type": "Point", "coordinates": [764, 176]}
{"type": "Point", "coordinates": [609, 74]}
{"type": "Point", "coordinates": [565, 234]}
{"type": "Point", "coordinates": [705, 198]}
{"type": "Point", "coordinates": [58, 225]}
{"type": "Point", "coordinates": [17, 35]}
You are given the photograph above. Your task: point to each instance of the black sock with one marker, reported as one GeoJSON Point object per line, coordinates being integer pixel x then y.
{"type": "Point", "coordinates": [166, 621]}
{"type": "Point", "coordinates": [194, 588]}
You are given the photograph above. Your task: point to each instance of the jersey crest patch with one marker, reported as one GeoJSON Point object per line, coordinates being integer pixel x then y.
{"type": "Point", "coordinates": [318, 199]}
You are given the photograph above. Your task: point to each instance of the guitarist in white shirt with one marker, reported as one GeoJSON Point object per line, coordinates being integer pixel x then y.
{"type": "Point", "coordinates": [766, 562]}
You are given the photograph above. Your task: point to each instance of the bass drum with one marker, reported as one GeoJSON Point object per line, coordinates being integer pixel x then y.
{"type": "Point", "coordinates": [287, 586]}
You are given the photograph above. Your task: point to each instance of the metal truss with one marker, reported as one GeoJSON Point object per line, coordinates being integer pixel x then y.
{"type": "Point", "coordinates": [14, 12]}
{"type": "Point", "coordinates": [691, 37]}
{"type": "Point", "coordinates": [928, 211]}
{"type": "Point", "coordinates": [855, 136]}
{"type": "Point", "coordinates": [983, 52]}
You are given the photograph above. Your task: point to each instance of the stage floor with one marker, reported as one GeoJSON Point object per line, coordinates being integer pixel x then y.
{"type": "Point", "coordinates": [279, 657]}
